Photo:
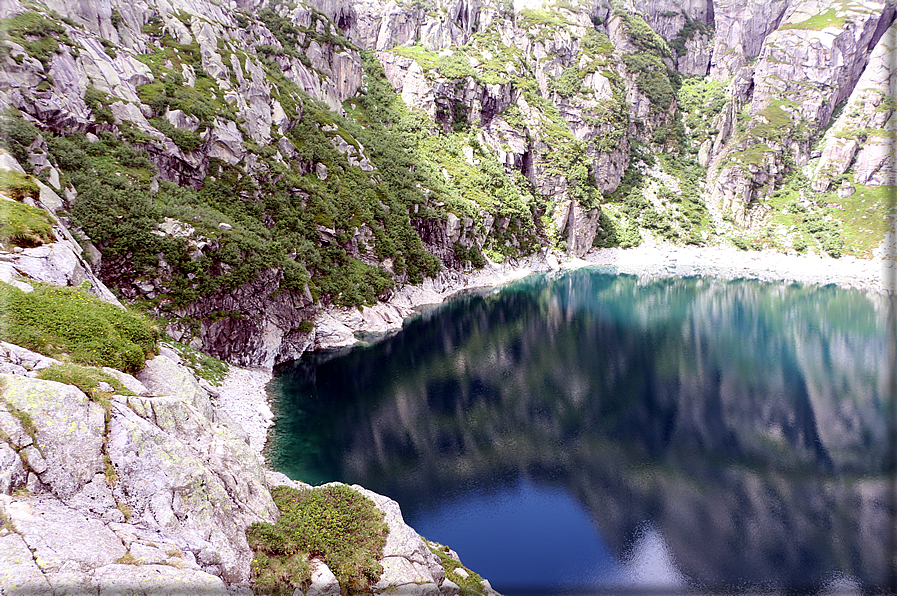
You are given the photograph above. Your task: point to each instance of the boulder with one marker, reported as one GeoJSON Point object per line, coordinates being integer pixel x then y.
{"type": "Point", "coordinates": [85, 544]}
{"type": "Point", "coordinates": [323, 582]}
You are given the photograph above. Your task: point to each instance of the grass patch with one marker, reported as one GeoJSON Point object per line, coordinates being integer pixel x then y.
{"type": "Point", "coordinates": [25, 226]}
{"type": "Point", "coordinates": [127, 559]}
{"type": "Point", "coordinates": [125, 510]}
{"type": "Point", "coordinates": [6, 523]}
{"type": "Point", "coordinates": [39, 35]}
{"type": "Point", "coordinates": [55, 320]}
{"type": "Point", "coordinates": [817, 22]}
{"type": "Point", "coordinates": [335, 523]}
{"type": "Point", "coordinates": [85, 378]}
{"type": "Point", "coordinates": [24, 419]}
{"type": "Point", "coordinates": [470, 585]}
{"type": "Point", "coordinates": [752, 155]}
{"type": "Point", "coordinates": [208, 367]}
{"type": "Point", "coordinates": [18, 186]}
{"type": "Point", "coordinates": [865, 217]}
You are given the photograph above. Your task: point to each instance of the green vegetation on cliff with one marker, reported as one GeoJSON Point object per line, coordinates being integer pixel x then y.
{"type": "Point", "coordinates": [71, 324]}
{"type": "Point", "coordinates": [334, 523]}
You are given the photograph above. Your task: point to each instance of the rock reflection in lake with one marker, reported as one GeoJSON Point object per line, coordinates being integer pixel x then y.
{"type": "Point", "coordinates": [737, 434]}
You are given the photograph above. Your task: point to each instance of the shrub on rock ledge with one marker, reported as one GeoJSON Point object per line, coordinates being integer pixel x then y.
{"type": "Point", "coordinates": [334, 523]}
{"type": "Point", "coordinates": [54, 320]}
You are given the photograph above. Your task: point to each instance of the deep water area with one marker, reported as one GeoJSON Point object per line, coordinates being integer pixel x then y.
{"type": "Point", "coordinates": [586, 432]}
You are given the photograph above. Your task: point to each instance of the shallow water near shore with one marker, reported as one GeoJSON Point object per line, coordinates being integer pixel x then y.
{"type": "Point", "coordinates": [586, 432]}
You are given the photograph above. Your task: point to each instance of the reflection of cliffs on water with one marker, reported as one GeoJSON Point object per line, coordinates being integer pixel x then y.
{"type": "Point", "coordinates": [747, 421]}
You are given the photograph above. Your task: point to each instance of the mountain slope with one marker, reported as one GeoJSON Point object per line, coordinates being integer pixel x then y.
{"type": "Point", "coordinates": [236, 169]}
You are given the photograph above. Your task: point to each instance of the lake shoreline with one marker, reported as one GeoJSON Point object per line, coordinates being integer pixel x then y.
{"type": "Point", "coordinates": [251, 404]}
{"type": "Point", "coordinates": [663, 259]}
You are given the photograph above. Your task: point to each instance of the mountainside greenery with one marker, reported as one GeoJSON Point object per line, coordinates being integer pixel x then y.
{"type": "Point", "coordinates": [194, 189]}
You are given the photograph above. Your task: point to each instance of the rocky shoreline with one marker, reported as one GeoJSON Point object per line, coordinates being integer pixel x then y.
{"type": "Point", "coordinates": [246, 389]}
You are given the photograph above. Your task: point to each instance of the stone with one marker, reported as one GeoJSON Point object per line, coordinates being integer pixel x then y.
{"type": "Point", "coordinates": [158, 580]}
{"type": "Point", "coordinates": [226, 142]}
{"type": "Point", "coordinates": [162, 376]}
{"type": "Point", "coordinates": [86, 541]}
{"type": "Point", "coordinates": [450, 588]}
{"type": "Point", "coordinates": [19, 574]}
{"type": "Point", "coordinates": [323, 582]}
{"type": "Point", "coordinates": [182, 473]}
{"type": "Point", "coordinates": [279, 479]}
{"type": "Point", "coordinates": [130, 382]}
{"type": "Point", "coordinates": [408, 563]}
{"type": "Point", "coordinates": [68, 427]}
{"type": "Point", "coordinates": [25, 358]}
{"type": "Point", "coordinates": [96, 497]}
{"type": "Point", "coordinates": [34, 459]}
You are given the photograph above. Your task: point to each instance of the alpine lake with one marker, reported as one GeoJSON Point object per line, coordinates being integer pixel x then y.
{"type": "Point", "coordinates": [592, 433]}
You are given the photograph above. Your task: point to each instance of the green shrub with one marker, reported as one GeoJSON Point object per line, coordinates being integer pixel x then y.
{"type": "Point", "coordinates": [569, 83]}
{"type": "Point", "coordinates": [469, 256]}
{"type": "Point", "coordinates": [99, 102]}
{"type": "Point", "coordinates": [335, 523]}
{"type": "Point", "coordinates": [16, 134]}
{"type": "Point", "coordinates": [187, 140]}
{"type": "Point", "coordinates": [55, 320]}
{"type": "Point", "coordinates": [654, 79]}
{"type": "Point", "coordinates": [21, 225]}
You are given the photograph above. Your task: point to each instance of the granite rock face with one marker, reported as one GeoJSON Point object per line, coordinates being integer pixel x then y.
{"type": "Point", "coordinates": [804, 69]}
{"type": "Point", "coordinates": [860, 137]}
{"type": "Point", "coordinates": [160, 482]}
{"type": "Point", "coordinates": [153, 494]}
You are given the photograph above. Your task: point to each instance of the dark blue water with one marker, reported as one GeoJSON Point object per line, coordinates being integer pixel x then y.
{"type": "Point", "coordinates": [594, 433]}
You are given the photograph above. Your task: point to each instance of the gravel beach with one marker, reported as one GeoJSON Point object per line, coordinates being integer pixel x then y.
{"type": "Point", "coordinates": [244, 397]}
{"type": "Point", "coordinates": [876, 275]}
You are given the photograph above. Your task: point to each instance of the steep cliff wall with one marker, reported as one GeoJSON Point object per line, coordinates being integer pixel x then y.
{"type": "Point", "coordinates": [237, 170]}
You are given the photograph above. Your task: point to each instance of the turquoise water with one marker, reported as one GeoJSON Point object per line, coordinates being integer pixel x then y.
{"type": "Point", "coordinates": [595, 433]}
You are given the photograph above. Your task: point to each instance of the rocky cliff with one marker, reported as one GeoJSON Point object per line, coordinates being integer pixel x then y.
{"type": "Point", "coordinates": [237, 170]}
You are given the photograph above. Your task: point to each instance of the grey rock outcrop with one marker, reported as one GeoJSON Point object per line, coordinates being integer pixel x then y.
{"type": "Point", "coordinates": [169, 512]}
{"type": "Point", "coordinates": [741, 28]}
{"type": "Point", "coordinates": [862, 137]}
{"type": "Point", "coordinates": [189, 483]}
{"type": "Point", "coordinates": [266, 335]}
{"type": "Point", "coordinates": [803, 71]}
{"type": "Point", "coordinates": [67, 431]}
{"type": "Point", "coordinates": [63, 262]}
{"type": "Point", "coordinates": [408, 564]}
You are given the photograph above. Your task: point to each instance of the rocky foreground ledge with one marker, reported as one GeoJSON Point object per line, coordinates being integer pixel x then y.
{"type": "Point", "coordinates": [152, 492]}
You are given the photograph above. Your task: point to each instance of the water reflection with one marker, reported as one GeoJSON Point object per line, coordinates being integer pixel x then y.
{"type": "Point", "coordinates": [717, 435]}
